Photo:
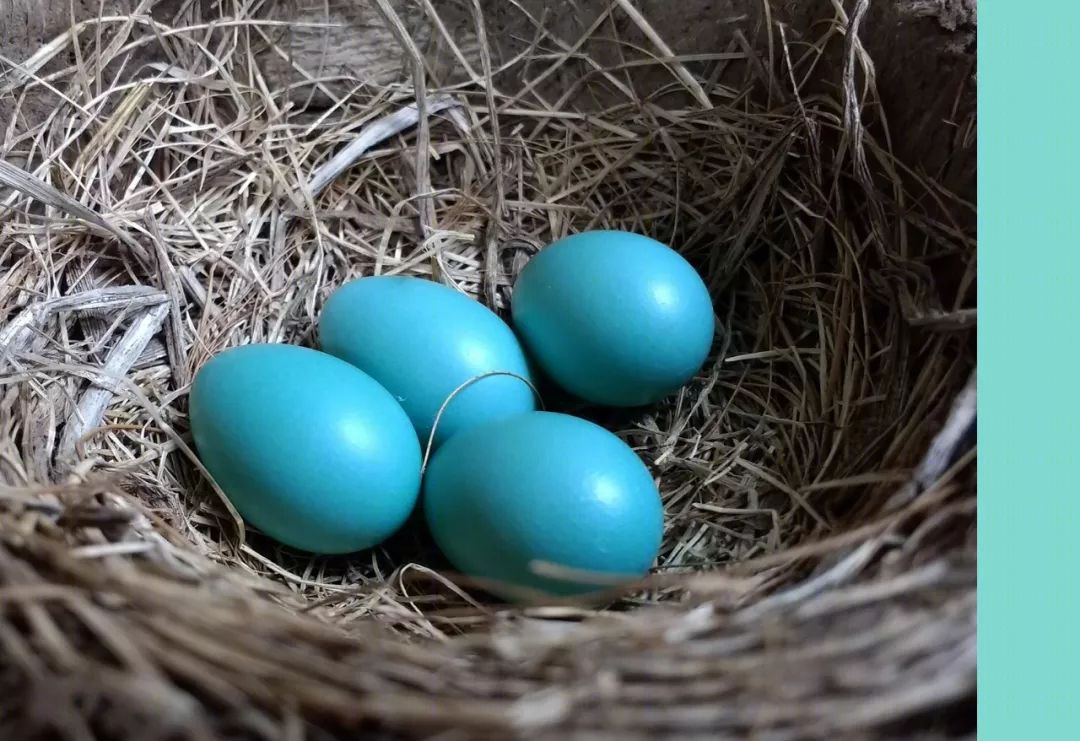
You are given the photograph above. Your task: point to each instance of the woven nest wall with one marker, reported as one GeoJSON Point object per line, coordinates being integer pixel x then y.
{"type": "Point", "coordinates": [181, 177]}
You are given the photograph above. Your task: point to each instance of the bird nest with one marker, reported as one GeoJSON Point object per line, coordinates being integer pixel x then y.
{"type": "Point", "coordinates": [817, 575]}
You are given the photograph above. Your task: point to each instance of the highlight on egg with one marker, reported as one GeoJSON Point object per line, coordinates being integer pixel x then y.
{"type": "Point", "coordinates": [537, 488]}
{"type": "Point", "coordinates": [422, 341]}
{"type": "Point", "coordinates": [308, 448]}
{"type": "Point", "coordinates": [613, 317]}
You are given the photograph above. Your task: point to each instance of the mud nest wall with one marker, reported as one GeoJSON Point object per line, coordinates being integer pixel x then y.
{"type": "Point", "coordinates": [180, 177]}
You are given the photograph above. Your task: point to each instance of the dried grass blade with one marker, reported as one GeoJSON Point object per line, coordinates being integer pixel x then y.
{"type": "Point", "coordinates": [24, 182]}
{"type": "Point", "coordinates": [680, 70]}
{"type": "Point", "coordinates": [88, 412]}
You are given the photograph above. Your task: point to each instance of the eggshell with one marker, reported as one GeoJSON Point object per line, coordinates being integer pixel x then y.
{"type": "Point", "coordinates": [546, 487]}
{"type": "Point", "coordinates": [613, 317]}
{"type": "Point", "coordinates": [422, 340]}
{"type": "Point", "coordinates": [309, 449]}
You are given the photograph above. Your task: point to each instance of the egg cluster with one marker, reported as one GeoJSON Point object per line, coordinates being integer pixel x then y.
{"type": "Point", "coordinates": [323, 450]}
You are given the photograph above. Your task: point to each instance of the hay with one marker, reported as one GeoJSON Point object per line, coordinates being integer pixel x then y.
{"type": "Point", "coordinates": [818, 571]}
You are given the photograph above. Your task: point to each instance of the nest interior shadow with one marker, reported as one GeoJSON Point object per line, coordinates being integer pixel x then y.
{"type": "Point", "coordinates": [196, 184]}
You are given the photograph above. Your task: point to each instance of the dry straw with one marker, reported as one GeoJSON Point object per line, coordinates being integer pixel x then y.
{"type": "Point", "coordinates": [817, 577]}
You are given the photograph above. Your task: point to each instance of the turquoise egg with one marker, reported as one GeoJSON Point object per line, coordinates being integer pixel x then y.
{"type": "Point", "coordinates": [422, 340]}
{"type": "Point", "coordinates": [613, 317]}
{"type": "Point", "coordinates": [309, 449]}
{"type": "Point", "coordinates": [548, 487]}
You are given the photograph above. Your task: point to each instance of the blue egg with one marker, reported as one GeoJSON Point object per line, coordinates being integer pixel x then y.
{"type": "Point", "coordinates": [542, 487]}
{"type": "Point", "coordinates": [422, 340]}
{"type": "Point", "coordinates": [613, 317]}
{"type": "Point", "coordinates": [309, 449]}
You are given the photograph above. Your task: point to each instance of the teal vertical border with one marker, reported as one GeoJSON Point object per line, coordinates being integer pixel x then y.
{"type": "Point", "coordinates": [1029, 369]}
